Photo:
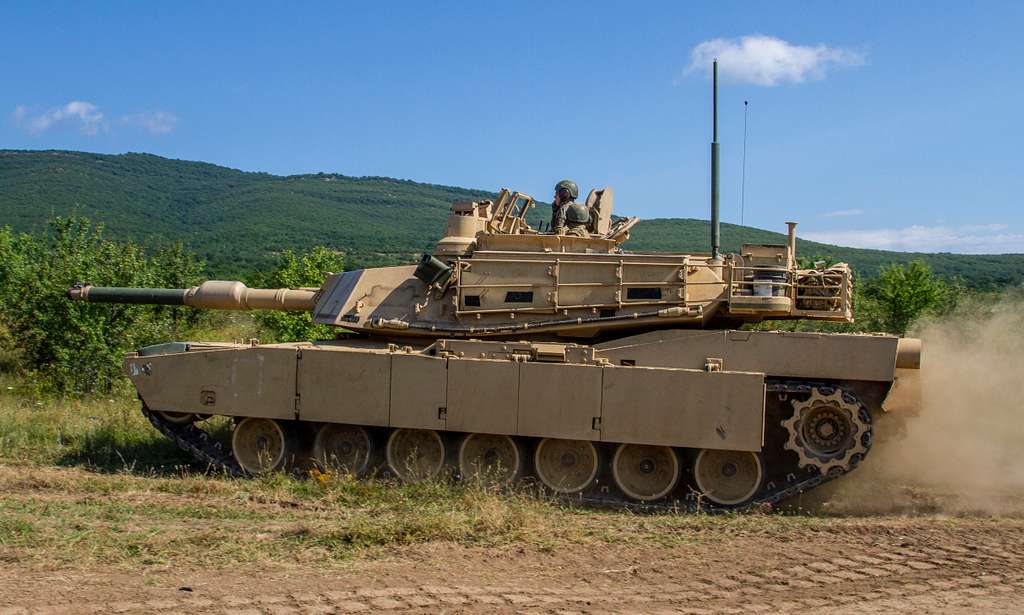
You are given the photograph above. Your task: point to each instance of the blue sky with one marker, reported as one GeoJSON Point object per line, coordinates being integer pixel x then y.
{"type": "Point", "coordinates": [878, 124]}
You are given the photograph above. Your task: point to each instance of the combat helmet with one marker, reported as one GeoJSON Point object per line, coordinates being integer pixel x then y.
{"type": "Point", "coordinates": [568, 184]}
{"type": "Point", "coordinates": [577, 213]}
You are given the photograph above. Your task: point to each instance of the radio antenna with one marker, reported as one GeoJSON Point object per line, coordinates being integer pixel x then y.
{"type": "Point", "coordinates": [743, 181]}
{"type": "Point", "coordinates": [715, 231]}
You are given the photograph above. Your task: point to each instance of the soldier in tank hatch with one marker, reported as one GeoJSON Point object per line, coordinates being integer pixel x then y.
{"type": "Point", "coordinates": [567, 216]}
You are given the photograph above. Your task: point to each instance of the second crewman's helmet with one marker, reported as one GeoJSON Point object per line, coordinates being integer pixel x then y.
{"type": "Point", "coordinates": [570, 186]}
{"type": "Point", "coordinates": [577, 213]}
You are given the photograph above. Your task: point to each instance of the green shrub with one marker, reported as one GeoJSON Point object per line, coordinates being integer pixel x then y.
{"type": "Point", "coordinates": [306, 270]}
{"type": "Point", "coordinates": [902, 294]}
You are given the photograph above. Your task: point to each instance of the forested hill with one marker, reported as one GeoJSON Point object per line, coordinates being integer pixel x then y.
{"type": "Point", "coordinates": [238, 221]}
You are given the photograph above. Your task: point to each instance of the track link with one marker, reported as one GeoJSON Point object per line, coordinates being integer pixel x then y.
{"type": "Point", "coordinates": [208, 451]}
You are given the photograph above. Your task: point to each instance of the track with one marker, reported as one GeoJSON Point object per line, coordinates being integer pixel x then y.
{"type": "Point", "coordinates": [779, 486]}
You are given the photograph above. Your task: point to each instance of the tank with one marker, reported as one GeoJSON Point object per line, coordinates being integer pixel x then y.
{"type": "Point", "coordinates": [508, 355]}
{"type": "Point", "coordinates": [602, 374]}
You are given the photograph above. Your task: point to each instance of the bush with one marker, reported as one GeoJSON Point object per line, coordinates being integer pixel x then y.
{"type": "Point", "coordinates": [904, 293]}
{"type": "Point", "coordinates": [307, 270]}
{"type": "Point", "coordinates": [75, 347]}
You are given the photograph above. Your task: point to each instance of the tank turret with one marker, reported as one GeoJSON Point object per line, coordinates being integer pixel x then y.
{"type": "Point", "coordinates": [493, 275]}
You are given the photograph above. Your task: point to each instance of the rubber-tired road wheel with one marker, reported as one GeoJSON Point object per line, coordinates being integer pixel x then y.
{"type": "Point", "coordinates": [728, 478]}
{"type": "Point", "coordinates": [493, 460]}
{"type": "Point", "coordinates": [346, 448]}
{"type": "Point", "coordinates": [415, 454]}
{"type": "Point", "coordinates": [645, 472]}
{"type": "Point", "coordinates": [178, 418]}
{"type": "Point", "coordinates": [566, 466]}
{"type": "Point", "coordinates": [263, 445]}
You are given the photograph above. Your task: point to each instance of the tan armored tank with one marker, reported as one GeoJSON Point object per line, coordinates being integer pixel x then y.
{"type": "Point", "coordinates": [508, 353]}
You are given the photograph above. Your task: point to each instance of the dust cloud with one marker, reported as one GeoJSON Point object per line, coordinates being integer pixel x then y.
{"type": "Point", "coordinates": [965, 452]}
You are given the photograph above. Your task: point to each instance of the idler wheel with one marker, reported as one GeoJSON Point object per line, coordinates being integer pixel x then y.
{"type": "Point", "coordinates": [263, 445]}
{"type": "Point", "coordinates": [490, 459]}
{"type": "Point", "coordinates": [728, 478]}
{"type": "Point", "coordinates": [178, 418]}
{"type": "Point", "coordinates": [645, 472]}
{"type": "Point", "coordinates": [346, 448]}
{"type": "Point", "coordinates": [415, 455]}
{"type": "Point", "coordinates": [566, 466]}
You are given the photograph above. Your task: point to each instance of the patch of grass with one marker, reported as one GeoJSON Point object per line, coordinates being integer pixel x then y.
{"type": "Point", "coordinates": [15, 529]}
{"type": "Point", "coordinates": [386, 513]}
{"type": "Point", "coordinates": [82, 518]}
{"type": "Point", "coordinates": [107, 434]}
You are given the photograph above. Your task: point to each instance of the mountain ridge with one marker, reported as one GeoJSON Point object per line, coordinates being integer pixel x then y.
{"type": "Point", "coordinates": [239, 220]}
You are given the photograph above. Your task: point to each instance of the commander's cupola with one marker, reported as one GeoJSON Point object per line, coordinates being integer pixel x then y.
{"type": "Point", "coordinates": [501, 224]}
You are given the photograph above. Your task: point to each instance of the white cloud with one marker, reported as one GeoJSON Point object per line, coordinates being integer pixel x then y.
{"type": "Point", "coordinates": [970, 239]}
{"type": "Point", "coordinates": [89, 120]}
{"type": "Point", "coordinates": [842, 213]}
{"type": "Point", "coordinates": [155, 122]}
{"type": "Point", "coordinates": [84, 115]}
{"type": "Point", "coordinates": [766, 60]}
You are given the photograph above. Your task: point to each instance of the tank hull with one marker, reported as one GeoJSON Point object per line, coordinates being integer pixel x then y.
{"type": "Point", "coordinates": [654, 410]}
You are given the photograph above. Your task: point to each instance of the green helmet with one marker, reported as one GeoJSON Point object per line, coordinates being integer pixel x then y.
{"type": "Point", "coordinates": [577, 213]}
{"type": "Point", "coordinates": [569, 185]}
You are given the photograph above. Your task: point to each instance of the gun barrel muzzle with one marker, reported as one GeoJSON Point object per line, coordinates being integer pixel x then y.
{"type": "Point", "coordinates": [114, 294]}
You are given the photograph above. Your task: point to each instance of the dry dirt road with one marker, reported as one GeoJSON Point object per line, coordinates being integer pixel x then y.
{"type": "Point", "coordinates": [928, 564]}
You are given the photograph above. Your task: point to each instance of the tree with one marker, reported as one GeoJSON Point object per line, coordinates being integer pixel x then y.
{"type": "Point", "coordinates": [307, 270]}
{"type": "Point", "coordinates": [903, 293]}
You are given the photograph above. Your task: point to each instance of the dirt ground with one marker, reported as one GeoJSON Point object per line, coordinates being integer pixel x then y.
{"type": "Point", "coordinates": [879, 565]}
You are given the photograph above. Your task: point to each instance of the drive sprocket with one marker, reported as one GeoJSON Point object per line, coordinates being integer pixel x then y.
{"type": "Point", "coordinates": [829, 431]}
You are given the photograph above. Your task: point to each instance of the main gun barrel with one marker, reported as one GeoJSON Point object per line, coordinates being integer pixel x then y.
{"type": "Point", "coordinates": [211, 295]}
{"type": "Point", "coordinates": [115, 294]}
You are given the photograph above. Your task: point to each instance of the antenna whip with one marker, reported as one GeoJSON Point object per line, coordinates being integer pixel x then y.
{"type": "Point", "coordinates": [743, 181]}
{"type": "Point", "coordinates": [715, 232]}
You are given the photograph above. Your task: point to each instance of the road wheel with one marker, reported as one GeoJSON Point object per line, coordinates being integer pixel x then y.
{"type": "Point", "coordinates": [491, 459]}
{"type": "Point", "coordinates": [415, 455]}
{"type": "Point", "coordinates": [178, 418]}
{"type": "Point", "coordinates": [728, 478]}
{"type": "Point", "coordinates": [645, 472]}
{"type": "Point", "coordinates": [346, 448]}
{"type": "Point", "coordinates": [263, 445]}
{"type": "Point", "coordinates": [566, 466]}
